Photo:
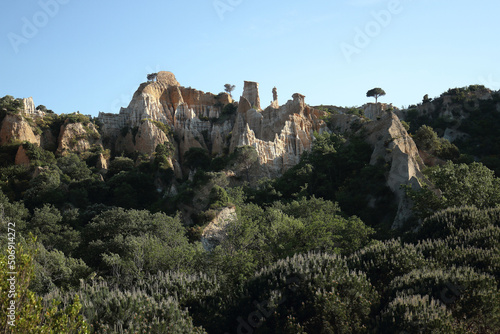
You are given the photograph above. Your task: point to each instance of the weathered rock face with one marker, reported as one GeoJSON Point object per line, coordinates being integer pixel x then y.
{"type": "Point", "coordinates": [21, 157]}
{"type": "Point", "coordinates": [393, 145]}
{"type": "Point", "coordinates": [167, 78]}
{"type": "Point", "coordinates": [160, 101]}
{"type": "Point", "coordinates": [251, 93]}
{"type": "Point", "coordinates": [102, 163]}
{"type": "Point", "coordinates": [279, 134]}
{"type": "Point", "coordinates": [374, 110]}
{"type": "Point", "coordinates": [215, 232]}
{"type": "Point", "coordinates": [148, 137]}
{"type": "Point", "coordinates": [77, 137]}
{"type": "Point", "coordinates": [29, 108]}
{"type": "Point", "coordinates": [16, 128]}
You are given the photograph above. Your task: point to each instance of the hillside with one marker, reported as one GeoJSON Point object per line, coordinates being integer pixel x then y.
{"type": "Point", "coordinates": [198, 213]}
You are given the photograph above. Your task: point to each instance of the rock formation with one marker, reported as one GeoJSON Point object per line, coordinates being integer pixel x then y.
{"type": "Point", "coordinates": [251, 93]}
{"type": "Point", "coordinates": [279, 134]}
{"type": "Point", "coordinates": [215, 232]}
{"type": "Point", "coordinates": [77, 137]}
{"type": "Point", "coordinates": [394, 146]}
{"type": "Point", "coordinates": [375, 110]}
{"type": "Point", "coordinates": [16, 128]}
{"type": "Point", "coordinates": [22, 157]}
{"type": "Point", "coordinates": [29, 108]}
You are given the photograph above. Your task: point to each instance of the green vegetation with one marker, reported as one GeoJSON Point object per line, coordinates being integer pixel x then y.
{"type": "Point", "coordinates": [123, 250]}
{"type": "Point", "coordinates": [376, 93]}
{"type": "Point", "coordinates": [427, 139]}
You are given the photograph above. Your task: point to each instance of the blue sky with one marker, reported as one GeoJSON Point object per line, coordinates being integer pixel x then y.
{"type": "Point", "coordinates": [91, 55]}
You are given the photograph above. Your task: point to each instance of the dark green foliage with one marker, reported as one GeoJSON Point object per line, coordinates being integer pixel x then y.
{"type": "Point", "coordinates": [76, 117]}
{"type": "Point", "coordinates": [15, 213]}
{"type": "Point", "coordinates": [119, 164]}
{"type": "Point", "coordinates": [124, 242]}
{"type": "Point", "coordinates": [229, 109]}
{"type": "Point", "coordinates": [73, 167]}
{"type": "Point", "coordinates": [197, 158]}
{"type": "Point", "coordinates": [261, 236]}
{"type": "Point", "coordinates": [218, 197]}
{"type": "Point", "coordinates": [108, 309]}
{"type": "Point", "coordinates": [452, 220]}
{"type": "Point", "coordinates": [162, 153]}
{"type": "Point", "coordinates": [8, 104]}
{"type": "Point", "coordinates": [418, 314]}
{"type": "Point", "coordinates": [324, 228]}
{"type": "Point", "coordinates": [37, 155]}
{"type": "Point", "coordinates": [427, 139]}
{"type": "Point", "coordinates": [44, 189]}
{"type": "Point", "coordinates": [384, 261]}
{"type": "Point", "coordinates": [376, 93]}
{"type": "Point", "coordinates": [458, 288]}
{"type": "Point", "coordinates": [244, 158]}
{"type": "Point", "coordinates": [55, 270]}
{"type": "Point", "coordinates": [459, 184]}
{"type": "Point", "coordinates": [311, 293]}
{"type": "Point", "coordinates": [46, 224]}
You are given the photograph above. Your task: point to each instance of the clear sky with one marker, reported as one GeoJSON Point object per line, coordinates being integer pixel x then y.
{"type": "Point", "coordinates": [92, 55]}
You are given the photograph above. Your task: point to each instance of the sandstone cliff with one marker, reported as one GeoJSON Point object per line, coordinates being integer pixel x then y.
{"type": "Point", "coordinates": [394, 146]}
{"type": "Point", "coordinates": [77, 137]}
{"type": "Point", "coordinates": [15, 128]}
{"type": "Point", "coordinates": [280, 135]}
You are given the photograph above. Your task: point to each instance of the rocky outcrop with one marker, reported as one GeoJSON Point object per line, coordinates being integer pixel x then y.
{"type": "Point", "coordinates": [394, 146]}
{"type": "Point", "coordinates": [16, 128]}
{"type": "Point", "coordinates": [148, 137]}
{"type": "Point", "coordinates": [280, 136]}
{"type": "Point", "coordinates": [77, 137]}
{"type": "Point", "coordinates": [22, 157]}
{"type": "Point", "coordinates": [251, 93]}
{"type": "Point", "coordinates": [102, 163]}
{"type": "Point", "coordinates": [160, 101]}
{"type": "Point", "coordinates": [29, 108]}
{"type": "Point", "coordinates": [376, 110]}
{"type": "Point", "coordinates": [215, 232]}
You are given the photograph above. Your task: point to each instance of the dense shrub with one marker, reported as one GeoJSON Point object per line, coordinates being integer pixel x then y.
{"type": "Point", "coordinates": [110, 310]}
{"type": "Point", "coordinates": [310, 293]}
{"type": "Point", "coordinates": [384, 261]}
{"type": "Point", "coordinates": [418, 314]}
{"type": "Point", "coordinates": [459, 288]}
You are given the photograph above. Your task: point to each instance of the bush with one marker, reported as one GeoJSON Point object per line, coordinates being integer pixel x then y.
{"type": "Point", "coordinates": [450, 221]}
{"type": "Point", "coordinates": [313, 293]}
{"type": "Point", "coordinates": [458, 288]}
{"type": "Point", "coordinates": [384, 261]}
{"type": "Point", "coordinates": [218, 197]}
{"type": "Point", "coordinates": [111, 310]}
{"type": "Point", "coordinates": [418, 314]}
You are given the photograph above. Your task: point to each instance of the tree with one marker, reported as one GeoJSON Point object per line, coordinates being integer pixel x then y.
{"type": "Point", "coordinates": [32, 315]}
{"type": "Point", "coordinates": [426, 138]}
{"type": "Point", "coordinates": [152, 76]}
{"type": "Point", "coordinates": [376, 93]}
{"type": "Point", "coordinates": [41, 107]}
{"type": "Point", "coordinates": [246, 156]}
{"type": "Point", "coordinates": [459, 185]}
{"type": "Point", "coordinates": [229, 88]}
